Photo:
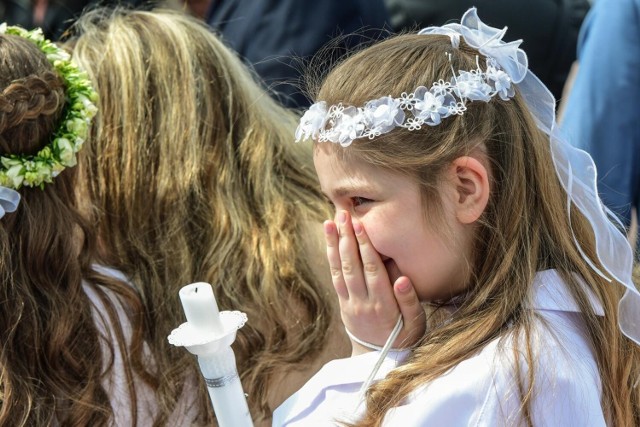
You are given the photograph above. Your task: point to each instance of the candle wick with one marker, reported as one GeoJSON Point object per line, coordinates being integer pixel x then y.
{"type": "Point", "coordinates": [196, 291]}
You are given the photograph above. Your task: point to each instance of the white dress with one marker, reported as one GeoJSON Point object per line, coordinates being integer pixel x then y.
{"type": "Point", "coordinates": [115, 384]}
{"type": "Point", "coordinates": [480, 391]}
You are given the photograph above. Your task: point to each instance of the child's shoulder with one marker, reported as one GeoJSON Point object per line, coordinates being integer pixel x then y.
{"type": "Point", "coordinates": [485, 389]}
{"type": "Point", "coordinates": [558, 336]}
{"type": "Point", "coordinates": [482, 390]}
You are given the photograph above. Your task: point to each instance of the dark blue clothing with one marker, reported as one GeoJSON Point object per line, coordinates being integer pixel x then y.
{"type": "Point", "coordinates": [276, 36]}
{"type": "Point", "coordinates": [602, 115]}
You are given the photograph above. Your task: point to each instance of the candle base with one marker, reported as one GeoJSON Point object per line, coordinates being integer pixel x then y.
{"type": "Point", "coordinates": [225, 390]}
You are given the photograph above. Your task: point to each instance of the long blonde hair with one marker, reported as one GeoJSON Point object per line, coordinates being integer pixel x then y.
{"type": "Point", "coordinates": [194, 177]}
{"type": "Point", "coordinates": [524, 229]}
{"type": "Point", "coordinates": [51, 357]}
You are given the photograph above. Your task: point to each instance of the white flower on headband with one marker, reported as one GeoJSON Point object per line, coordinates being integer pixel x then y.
{"type": "Point", "coordinates": [414, 124]}
{"type": "Point", "coordinates": [382, 115]}
{"type": "Point", "coordinates": [441, 87]}
{"type": "Point", "coordinates": [312, 121]}
{"type": "Point", "coordinates": [472, 86]}
{"type": "Point", "coordinates": [350, 124]}
{"type": "Point", "coordinates": [407, 100]}
{"type": "Point", "coordinates": [501, 82]}
{"type": "Point", "coordinates": [431, 107]}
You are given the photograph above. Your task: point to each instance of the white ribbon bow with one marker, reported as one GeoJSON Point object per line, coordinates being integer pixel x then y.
{"type": "Point", "coordinates": [9, 200]}
{"type": "Point", "coordinates": [488, 41]}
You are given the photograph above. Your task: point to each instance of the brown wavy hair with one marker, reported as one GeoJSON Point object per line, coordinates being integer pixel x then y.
{"type": "Point", "coordinates": [194, 176]}
{"type": "Point", "coordinates": [525, 228]}
{"type": "Point", "coordinates": [51, 357]}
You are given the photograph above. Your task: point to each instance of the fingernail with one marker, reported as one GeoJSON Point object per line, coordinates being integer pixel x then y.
{"type": "Point", "coordinates": [403, 286]}
{"type": "Point", "coordinates": [342, 217]}
{"type": "Point", "coordinates": [357, 227]}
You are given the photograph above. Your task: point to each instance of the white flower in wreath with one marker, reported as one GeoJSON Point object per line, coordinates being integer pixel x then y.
{"type": "Point", "coordinates": [3, 28]}
{"type": "Point", "coordinates": [312, 121]}
{"type": "Point", "coordinates": [324, 136]}
{"type": "Point", "coordinates": [36, 173]}
{"type": "Point", "coordinates": [56, 168]}
{"type": "Point", "coordinates": [431, 108]}
{"type": "Point", "coordinates": [34, 35]}
{"type": "Point", "coordinates": [502, 83]}
{"type": "Point", "coordinates": [85, 105]}
{"type": "Point", "coordinates": [471, 85]}
{"type": "Point", "coordinates": [349, 126]}
{"type": "Point", "coordinates": [78, 126]}
{"type": "Point", "coordinates": [77, 145]}
{"type": "Point", "coordinates": [15, 172]}
{"type": "Point", "coordinates": [59, 55]}
{"type": "Point", "coordinates": [67, 155]}
{"type": "Point", "coordinates": [382, 115]}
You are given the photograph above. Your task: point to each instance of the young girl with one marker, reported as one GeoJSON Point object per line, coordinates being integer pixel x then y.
{"type": "Point", "coordinates": [193, 177]}
{"type": "Point", "coordinates": [67, 327]}
{"type": "Point", "coordinates": [452, 189]}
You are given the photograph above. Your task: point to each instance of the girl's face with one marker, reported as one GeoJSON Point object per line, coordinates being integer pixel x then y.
{"type": "Point", "coordinates": [390, 208]}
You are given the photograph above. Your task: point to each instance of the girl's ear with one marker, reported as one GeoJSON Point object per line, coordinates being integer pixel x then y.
{"type": "Point", "coordinates": [471, 188]}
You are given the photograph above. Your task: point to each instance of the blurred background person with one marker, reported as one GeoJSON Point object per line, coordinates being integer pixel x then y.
{"type": "Point", "coordinates": [278, 36]}
{"type": "Point", "coordinates": [601, 114]}
{"type": "Point", "coordinates": [54, 16]}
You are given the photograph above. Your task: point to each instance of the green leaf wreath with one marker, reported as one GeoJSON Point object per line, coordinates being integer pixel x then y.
{"type": "Point", "coordinates": [36, 170]}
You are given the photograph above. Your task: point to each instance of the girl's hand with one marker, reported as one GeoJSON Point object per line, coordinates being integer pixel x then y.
{"type": "Point", "coordinates": [369, 304]}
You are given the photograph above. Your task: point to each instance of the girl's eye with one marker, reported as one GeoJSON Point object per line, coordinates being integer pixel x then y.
{"type": "Point", "coordinates": [357, 201]}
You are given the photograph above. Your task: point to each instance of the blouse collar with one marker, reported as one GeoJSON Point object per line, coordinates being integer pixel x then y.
{"type": "Point", "coordinates": [551, 293]}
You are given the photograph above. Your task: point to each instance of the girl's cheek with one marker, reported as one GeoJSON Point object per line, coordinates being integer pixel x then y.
{"type": "Point", "coordinates": [382, 232]}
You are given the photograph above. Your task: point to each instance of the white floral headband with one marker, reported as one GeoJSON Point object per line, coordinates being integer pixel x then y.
{"type": "Point", "coordinates": [342, 124]}
{"type": "Point", "coordinates": [506, 64]}
{"type": "Point", "coordinates": [574, 168]}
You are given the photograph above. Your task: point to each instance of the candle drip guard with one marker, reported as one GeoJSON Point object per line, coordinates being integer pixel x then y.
{"type": "Point", "coordinates": [209, 334]}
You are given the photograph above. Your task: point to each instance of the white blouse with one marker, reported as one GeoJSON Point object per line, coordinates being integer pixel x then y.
{"type": "Point", "coordinates": [480, 391]}
{"type": "Point", "coordinates": [115, 384]}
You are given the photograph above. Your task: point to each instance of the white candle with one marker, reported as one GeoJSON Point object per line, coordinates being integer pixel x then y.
{"type": "Point", "coordinates": [201, 309]}
{"type": "Point", "coordinates": [206, 337]}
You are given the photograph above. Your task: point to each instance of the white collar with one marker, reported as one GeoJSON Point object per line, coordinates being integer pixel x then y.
{"type": "Point", "coordinates": [551, 293]}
